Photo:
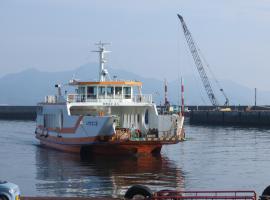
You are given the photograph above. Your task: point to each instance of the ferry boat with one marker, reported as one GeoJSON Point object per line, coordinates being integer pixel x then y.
{"type": "Point", "coordinates": [105, 117]}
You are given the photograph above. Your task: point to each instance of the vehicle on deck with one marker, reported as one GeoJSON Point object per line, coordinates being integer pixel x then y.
{"type": "Point", "coordinates": [9, 191]}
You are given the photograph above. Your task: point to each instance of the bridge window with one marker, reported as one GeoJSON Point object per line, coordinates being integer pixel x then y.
{"type": "Point", "coordinates": [110, 91]}
{"type": "Point", "coordinates": [101, 92]}
{"type": "Point", "coordinates": [92, 92]}
{"type": "Point", "coordinates": [81, 90]}
{"type": "Point", "coordinates": [118, 92]}
{"type": "Point", "coordinates": [127, 92]}
{"type": "Point", "coordinates": [81, 93]}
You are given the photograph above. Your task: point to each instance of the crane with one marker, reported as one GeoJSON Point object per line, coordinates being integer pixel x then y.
{"type": "Point", "coordinates": [200, 67]}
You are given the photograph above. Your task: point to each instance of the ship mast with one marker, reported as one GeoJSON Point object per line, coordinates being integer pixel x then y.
{"type": "Point", "coordinates": [101, 50]}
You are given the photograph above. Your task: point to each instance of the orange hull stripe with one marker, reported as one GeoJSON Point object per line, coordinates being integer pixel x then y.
{"type": "Point", "coordinates": [113, 149]}
{"type": "Point", "coordinates": [72, 140]}
{"type": "Point", "coordinates": [67, 148]}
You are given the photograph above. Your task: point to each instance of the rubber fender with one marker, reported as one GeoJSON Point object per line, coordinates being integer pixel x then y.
{"type": "Point", "coordinates": [3, 197]}
{"type": "Point", "coordinates": [138, 190]}
{"type": "Point", "coordinates": [266, 193]}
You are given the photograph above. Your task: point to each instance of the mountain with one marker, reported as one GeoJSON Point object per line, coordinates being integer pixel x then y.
{"type": "Point", "coordinates": [31, 86]}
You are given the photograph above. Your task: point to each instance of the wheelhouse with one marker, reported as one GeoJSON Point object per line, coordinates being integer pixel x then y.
{"type": "Point", "coordinates": [108, 91]}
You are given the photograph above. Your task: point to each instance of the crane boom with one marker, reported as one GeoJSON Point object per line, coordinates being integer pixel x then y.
{"type": "Point", "coordinates": [198, 62]}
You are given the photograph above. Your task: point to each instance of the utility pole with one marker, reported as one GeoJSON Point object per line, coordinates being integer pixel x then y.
{"type": "Point", "coordinates": [182, 98]}
{"type": "Point", "coordinates": [166, 101]}
{"type": "Point", "coordinates": [255, 97]}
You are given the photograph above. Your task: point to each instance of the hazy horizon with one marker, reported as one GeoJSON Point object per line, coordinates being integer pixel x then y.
{"type": "Point", "coordinates": [146, 37]}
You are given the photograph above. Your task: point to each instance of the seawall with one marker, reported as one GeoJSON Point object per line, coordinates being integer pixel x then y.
{"type": "Point", "coordinates": [207, 117]}
{"type": "Point", "coordinates": [18, 112]}
{"type": "Point", "coordinates": [238, 118]}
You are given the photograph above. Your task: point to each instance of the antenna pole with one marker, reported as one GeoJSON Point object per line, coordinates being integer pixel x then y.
{"type": "Point", "coordinates": [102, 71]}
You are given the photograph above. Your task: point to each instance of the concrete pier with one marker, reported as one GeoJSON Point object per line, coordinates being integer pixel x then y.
{"type": "Point", "coordinates": [208, 117]}
{"type": "Point", "coordinates": [18, 112]}
{"type": "Point", "coordinates": [241, 118]}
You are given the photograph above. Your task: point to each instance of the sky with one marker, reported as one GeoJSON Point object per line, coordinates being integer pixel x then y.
{"type": "Point", "coordinates": [146, 36]}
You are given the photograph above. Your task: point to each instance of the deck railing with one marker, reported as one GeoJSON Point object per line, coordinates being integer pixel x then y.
{"type": "Point", "coordinates": [145, 98]}
{"type": "Point", "coordinates": [50, 99]}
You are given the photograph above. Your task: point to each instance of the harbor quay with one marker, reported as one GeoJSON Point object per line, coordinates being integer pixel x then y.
{"type": "Point", "coordinates": [239, 115]}
{"type": "Point", "coordinates": [18, 112]}
{"type": "Point", "coordinates": [238, 118]}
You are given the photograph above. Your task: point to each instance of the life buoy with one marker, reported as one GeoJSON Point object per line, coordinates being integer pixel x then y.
{"type": "Point", "coordinates": [266, 193]}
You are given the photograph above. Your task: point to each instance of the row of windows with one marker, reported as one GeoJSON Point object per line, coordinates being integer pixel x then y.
{"type": "Point", "coordinates": [105, 91]}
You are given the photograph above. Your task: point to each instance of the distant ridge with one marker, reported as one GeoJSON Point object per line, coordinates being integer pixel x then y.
{"type": "Point", "coordinates": [30, 86]}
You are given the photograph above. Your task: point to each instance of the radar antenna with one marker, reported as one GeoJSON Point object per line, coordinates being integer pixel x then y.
{"type": "Point", "coordinates": [101, 50]}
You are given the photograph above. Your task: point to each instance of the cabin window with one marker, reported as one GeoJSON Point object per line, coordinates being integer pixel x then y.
{"type": "Point", "coordinates": [138, 118]}
{"type": "Point", "coordinates": [118, 92]}
{"type": "Point", "coordinates": [92, 92]}
{"type": "Point", "coordinates": [101, 92]}
{"type": "Point", "coordinates": [81, 90]}
{"type": "Point", "coordinates": [44, 122]}
{"type": "Point", "coordinates": [81, 93]}
{"type": "Point", "coordinates": [146, 117]}
{"type": "Point", "coordinates": [62, 119]}
{"type": "Point", "coordinates": [127, 92]}
{"type": "Point", "coordinates": [110, 91]}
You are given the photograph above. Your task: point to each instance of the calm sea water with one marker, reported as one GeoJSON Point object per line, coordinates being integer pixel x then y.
{"type": "Point", "coordinates": [211, 158]}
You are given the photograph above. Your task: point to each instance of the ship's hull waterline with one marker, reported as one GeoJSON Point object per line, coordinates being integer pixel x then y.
{"type": "Point", "coordinates": [94, 146]}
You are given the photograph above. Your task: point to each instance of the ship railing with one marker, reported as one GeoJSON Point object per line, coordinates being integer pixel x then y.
{"type": "Point", "coordinates": [136, 135]}
{"type": "Point", "coordinates": [50, 99]}
{"type": "Point", "coordinates": [176, 132]}
{"type": "Point", "coordinates": [145, 98]}
{"type": "Point", "coordinates": [205, 195]}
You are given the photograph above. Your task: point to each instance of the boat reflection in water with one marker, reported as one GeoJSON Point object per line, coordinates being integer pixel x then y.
{"type": "Point", "coordinates": [64, 174]}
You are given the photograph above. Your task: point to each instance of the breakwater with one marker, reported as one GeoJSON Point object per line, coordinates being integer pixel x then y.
{"type": "Point", "coordinates": [241, 118]}
{"type": "Point", "coordinates": [18, 112]}
{"type": "Point", "coordinates": [198, 115]}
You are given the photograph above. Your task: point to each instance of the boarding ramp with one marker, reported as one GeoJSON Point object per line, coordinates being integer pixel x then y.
{"type": "Point", "coordinates": [170, 125]}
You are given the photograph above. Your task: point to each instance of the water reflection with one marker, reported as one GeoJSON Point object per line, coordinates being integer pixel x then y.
{"type": "Point", "coordinates": [62, 174]}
